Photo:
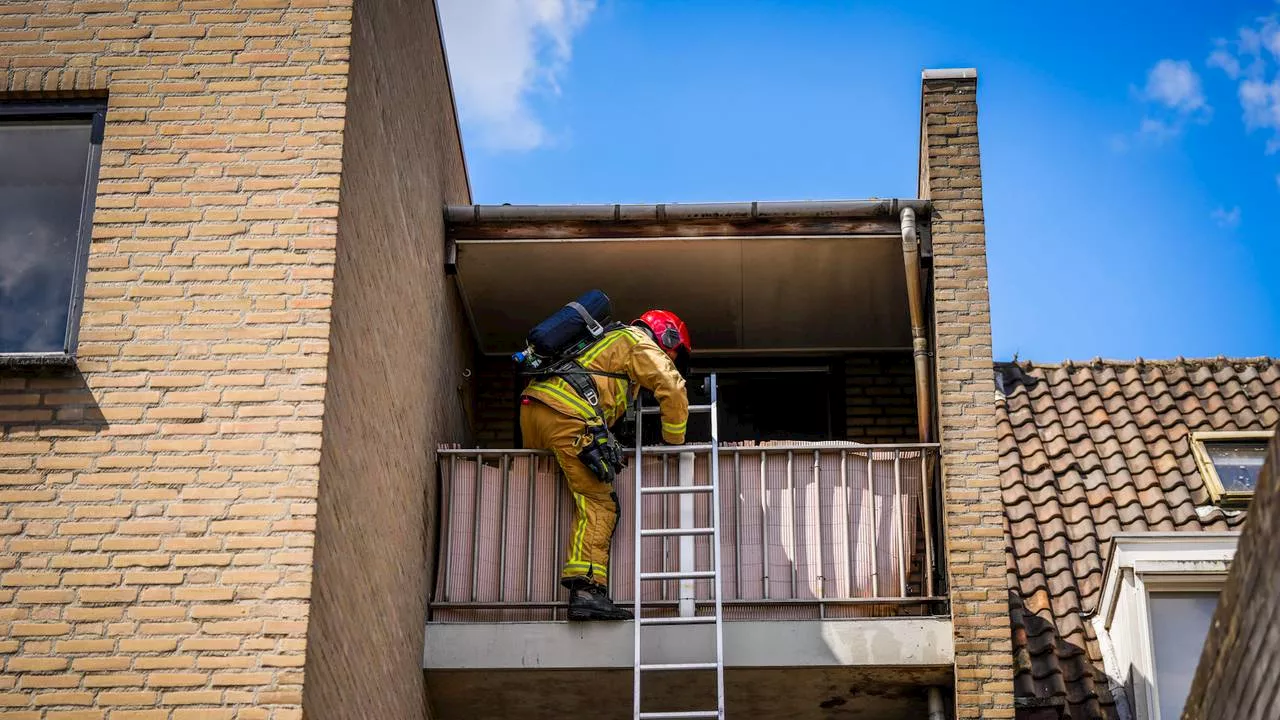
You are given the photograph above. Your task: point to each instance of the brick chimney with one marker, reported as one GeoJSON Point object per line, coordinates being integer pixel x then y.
{"type": "Point", "coordinates": [951, 177]}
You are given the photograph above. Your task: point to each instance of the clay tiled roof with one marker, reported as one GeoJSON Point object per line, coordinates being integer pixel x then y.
{"type": "Point", "coordinates": [1089, 450]}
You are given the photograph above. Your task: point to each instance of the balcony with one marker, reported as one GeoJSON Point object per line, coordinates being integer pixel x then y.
{"type": "Point", "coordinates": [814, 317]}
{"type": "Point", "coordinates": [829, 566]}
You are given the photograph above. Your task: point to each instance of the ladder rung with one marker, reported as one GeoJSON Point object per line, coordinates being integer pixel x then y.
{"type": "Point", "coordinates": [672, 489]}
{"type": "Point", "coordinates": [692, 575]}
{"type": "Point", "coordinates": [676, 715]}
{"type": "Point", "coordinates": [697, 620]}
{"type": "Point", "coordinates": [692, 409]}
{"type": "Point", "coordinates": [678, 666]}
{"type": "Point", "coordinates": [670, 532]}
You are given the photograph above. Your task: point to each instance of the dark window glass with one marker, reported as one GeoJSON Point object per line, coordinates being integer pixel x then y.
{"type": "Point", "coordinates": [774, 406]}
{"type": "Point", "coordinates": [44, 169]}
{"type": "Point", "coordinates": [1238, 463]}
{"type": "Point", "coordinates": [760, 405]}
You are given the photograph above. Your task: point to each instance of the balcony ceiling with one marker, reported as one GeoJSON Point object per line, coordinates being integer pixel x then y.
{"type": "Point", "coordinates": [737, 294]}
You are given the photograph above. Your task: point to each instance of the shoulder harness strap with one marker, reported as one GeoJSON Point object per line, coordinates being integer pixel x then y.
{"type": "Point", "coordinates": [579, 378]}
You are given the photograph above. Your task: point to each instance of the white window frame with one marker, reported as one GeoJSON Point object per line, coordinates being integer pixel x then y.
{"type": "Point", "coordinates": [1142, 564]}
{"type": "Point", "coordinates": [1209, 471]}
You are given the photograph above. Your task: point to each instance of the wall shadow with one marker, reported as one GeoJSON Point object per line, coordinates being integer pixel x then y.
{"type": "Point", "coordinates": [37, 398]}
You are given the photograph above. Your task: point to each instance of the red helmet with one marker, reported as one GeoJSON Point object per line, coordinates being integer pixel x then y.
{"type": "Point", "coordinates": [669, 331]}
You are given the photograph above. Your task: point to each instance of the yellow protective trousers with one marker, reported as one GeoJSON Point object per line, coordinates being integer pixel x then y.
{"type": "Point", "coordinates": [596, 503]}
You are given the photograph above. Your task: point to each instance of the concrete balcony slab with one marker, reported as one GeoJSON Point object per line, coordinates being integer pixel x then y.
{"type": "Point", "coordinates": [872, 642]}
{"type": "Point", "coordinates": [868, 667]}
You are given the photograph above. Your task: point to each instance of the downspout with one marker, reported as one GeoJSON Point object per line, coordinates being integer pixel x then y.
{"type": "Point", "coordinates": [937, 710]}
{"type": "Point", "coordinates": [919, 340]}
{"type": "Point", "coordinates": [924, 398]}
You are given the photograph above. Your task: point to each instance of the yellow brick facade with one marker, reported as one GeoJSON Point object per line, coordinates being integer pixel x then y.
{"type": "Point", "coordinates": [157, 503]}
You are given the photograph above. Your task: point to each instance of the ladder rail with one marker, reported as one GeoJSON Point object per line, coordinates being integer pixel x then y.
{"type": "Point", "coordinates": [717, 589]}
{"type": "Point", "coordinates": [637, 477]}
{"type": "Point", "coordinates": [714, 574]}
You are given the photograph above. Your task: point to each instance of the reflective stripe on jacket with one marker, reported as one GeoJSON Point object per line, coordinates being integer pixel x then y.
{"type": "Point", "coordinates": [626, 351]}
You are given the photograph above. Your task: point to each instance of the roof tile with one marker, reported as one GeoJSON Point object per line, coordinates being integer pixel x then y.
{"type": "Point", "coordinates": [1090, 450]}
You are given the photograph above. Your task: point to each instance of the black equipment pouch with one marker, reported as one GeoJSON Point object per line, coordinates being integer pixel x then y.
{"type": "Point", "coordinates": [602, 454]}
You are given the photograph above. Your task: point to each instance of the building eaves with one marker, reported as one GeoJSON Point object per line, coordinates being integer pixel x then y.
{"type": "Point", "coordinates": [685, 212]}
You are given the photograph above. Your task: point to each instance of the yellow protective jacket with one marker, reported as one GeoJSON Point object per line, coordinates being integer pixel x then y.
{"type": "Point", "coordinates": [626, 351]}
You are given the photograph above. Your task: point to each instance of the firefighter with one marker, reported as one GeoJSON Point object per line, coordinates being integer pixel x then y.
{"type": "Point", "coordinates": [571, 416]}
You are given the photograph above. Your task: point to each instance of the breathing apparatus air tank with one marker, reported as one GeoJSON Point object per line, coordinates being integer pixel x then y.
{"type": "Point", "coordinates": [567, 332]}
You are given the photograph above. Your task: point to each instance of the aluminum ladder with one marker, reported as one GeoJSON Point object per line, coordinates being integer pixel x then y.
{"type": "Point", "coordinates": [688, 576]}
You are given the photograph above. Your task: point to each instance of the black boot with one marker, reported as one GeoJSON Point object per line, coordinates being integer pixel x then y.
{"type": "Point", "coordinates": [589, 601]}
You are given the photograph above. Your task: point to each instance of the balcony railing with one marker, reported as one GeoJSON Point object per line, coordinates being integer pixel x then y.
{"type": "Point", "coordinates": [808, 530]}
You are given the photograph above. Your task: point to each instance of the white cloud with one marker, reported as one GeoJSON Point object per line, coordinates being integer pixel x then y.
{"type": "Point", "coordinates": [1229, 219]}
{"type": "Point", "coordinates": [504, 52]}
{"type": "Point", "coordinates": [1224, 61]}
{"type": "Point", "coordinates": [1174, 97]}
{"type": "Point", "coordinates": [1250, 43]}
{"type": "Point", "coordinates": [1175, 85]}
{"type": "Point", "coordinates": [1252, 62]}
{"type": "Point", "coordinates": [1260, 101]}
{"type": "Point", "coordinates": [1270, 34]}
{"type": "Point", "coordinates": [1158, 131]}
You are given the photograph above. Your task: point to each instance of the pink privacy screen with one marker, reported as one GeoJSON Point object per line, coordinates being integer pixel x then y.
{"type": "Point", "coordinates": [823, 526]}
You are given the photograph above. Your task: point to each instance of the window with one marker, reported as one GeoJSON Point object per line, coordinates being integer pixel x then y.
{"type": "Point", "coordinates": [48, 174]}
{"type": "Point", "coordinates": [1179, 624]}
{"type": "Point", "coordinates": [1230, 463]}
{"type": "Point", "coordinates": [1159, 594]}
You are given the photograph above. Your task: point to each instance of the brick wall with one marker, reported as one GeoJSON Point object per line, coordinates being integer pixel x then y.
{"type": "Point", "coordinates": [495, 412]}
{"type": "Point", "coordinates": [157, 504]}
{"type": "Point", "coordinates": [880, 398]}
{"type": "Point", "coordinates": [1236, 677]}
{"type": "Point", "coordinates": [950, 176]}
{"type": "Point", "coordinates": [395, 372]}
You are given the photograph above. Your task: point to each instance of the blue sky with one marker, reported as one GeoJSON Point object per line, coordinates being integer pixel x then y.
{"type": "Point", "coordinates": [1129, 149]}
